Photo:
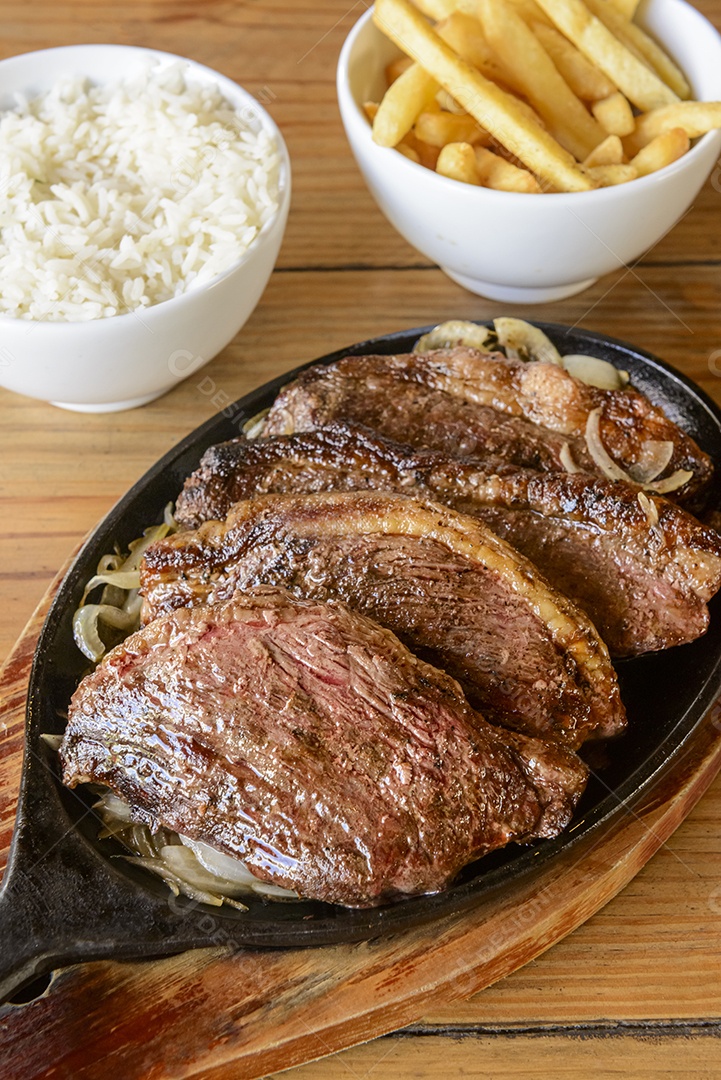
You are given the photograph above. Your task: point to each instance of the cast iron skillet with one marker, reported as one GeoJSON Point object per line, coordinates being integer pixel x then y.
{"type": "Point", "coordinates": [67, 897]}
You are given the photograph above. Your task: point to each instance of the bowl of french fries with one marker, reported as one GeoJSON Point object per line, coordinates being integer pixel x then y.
{"type": "Point", "coordinates": [530, 146]}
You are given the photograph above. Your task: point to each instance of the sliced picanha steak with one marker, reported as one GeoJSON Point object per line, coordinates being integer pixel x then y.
{"type": "Point", "coordinates": [472, 403]}
{"type": "Point", "coordinates": [310, 743]}
{"type": "Point", "coordinates": [640, 566]}
{"type": "Point", "coordinates": [452, 590]}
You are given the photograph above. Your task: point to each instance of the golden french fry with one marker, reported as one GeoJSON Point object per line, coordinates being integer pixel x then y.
{"type": "Point", "coordinates": [396, 68]}
{"type": "Point", "coordinates": [457, 161]}
{"type": "Point", "coordinates": [427, 154]}
{"type": "Point", "coordinates": [608, 175]}
{"type": "Point", "coordinates": [637, 41]}
{"type": "Point", "coordinates": [441, 9]}
{"type": "Point", "coordinates": [412, 92]}
{"type": "Point", "coordinates": [370, 108]}
{"type": "Point", "coordinates": [626, 7]}
{"type": "Point", "coordinates": [609, 152]}
{"type": "Point", "coordinates": [494, 110]}
{"type": "Point", "coordinates": [614, 114]}
{"type": "Point", "coordinates": [661, 151]}
{"type": "Point", "coordinates": [630, 75]}
{"type": "Point", "coordinates": [439, 128]}
{"type": "Point", "coordinates": [531, 12]}
{"type": "Point", "coordinates": [409, 152]}
{"type": "Point", "coordinates": [695, 117]}
{"type": "Point", "coordinates": [495, 172]}
{"type": "Point", "coordinates": [523, 54]}
{"type": "Point", "coordinates": [586, 81]}
{"type": "Point", "coordinates": [465, 36]}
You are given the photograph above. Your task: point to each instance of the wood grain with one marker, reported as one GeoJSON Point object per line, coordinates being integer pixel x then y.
{"type": "Point", "coordinates": [634, 991]}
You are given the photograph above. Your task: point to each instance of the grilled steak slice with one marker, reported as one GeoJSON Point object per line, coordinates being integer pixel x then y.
{"type": "Point", "coordinates": [307, 741]}
{"type": "Point", "coordinates": [640, 566]}
{"type": "Point", "coordinates": [471, 403]}
{"type": "Point", "coordinates": [443, 582]}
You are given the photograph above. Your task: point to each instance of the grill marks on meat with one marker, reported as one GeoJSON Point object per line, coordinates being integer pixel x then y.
{"type": "Point", "coordinates": [445, 584]}
{"type": "Point", "coordinates": [642, 573]}
{"type": "Point", "coordinates": [310, 743]}
{"type": "Point", "coordinates": [469, 403]}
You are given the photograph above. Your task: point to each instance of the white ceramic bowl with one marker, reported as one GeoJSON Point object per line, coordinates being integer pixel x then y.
{"type": "Point", "coordinates": [530, 248]}
{"type": "Point", "coordinates": [120, 362]}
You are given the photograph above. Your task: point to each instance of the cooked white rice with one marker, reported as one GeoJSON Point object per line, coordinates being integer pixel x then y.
{"type": "Point", "coordinates": [116, 197]}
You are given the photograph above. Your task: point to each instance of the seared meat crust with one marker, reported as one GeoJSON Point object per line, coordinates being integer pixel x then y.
{"type": "Point", "coordinates": [643, 570]}
{"type": "Point", "coordinates": [443, 582]}
{"type": "Point", "coordinates": [470, 403]}
{"type": "Point", "coordinates": [310, 743]}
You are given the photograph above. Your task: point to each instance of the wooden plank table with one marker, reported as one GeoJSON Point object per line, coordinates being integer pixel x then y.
{"type": "Point", "coordinates": [635, 991]}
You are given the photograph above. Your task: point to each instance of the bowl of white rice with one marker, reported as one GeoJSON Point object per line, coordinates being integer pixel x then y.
{"type": "Point", "coordinates": [143, 201]}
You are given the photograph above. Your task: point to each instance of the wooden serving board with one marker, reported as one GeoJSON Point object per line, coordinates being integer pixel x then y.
{"type": "Point", "coordinates": [216, 1014]}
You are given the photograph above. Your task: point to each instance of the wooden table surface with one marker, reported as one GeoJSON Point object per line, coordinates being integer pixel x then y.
{"type": "Point", "coordinates": [636, 990]}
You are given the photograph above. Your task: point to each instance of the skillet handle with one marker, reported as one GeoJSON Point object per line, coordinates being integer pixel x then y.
{"type": "Point", "coordinates": [24, 955]}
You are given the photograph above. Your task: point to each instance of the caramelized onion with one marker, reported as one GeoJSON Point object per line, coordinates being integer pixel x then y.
{"type": "Point", "coordinates": [187, 866]}
{"type": "Point", "coordinates": [598, 451]}
{"type": "Point", "coordinates": [456, 332]}
{"type": "Point", "coordinates": [522, 341]}
{"type": "Point", "coordinates": [670, 483]}
{"type": "Point", "coordinates": [649, 508]}
{"type": "Point", "coordinates": [567, 460]}
{"type": "Point", "coordinates": [254, 427]}
{"type": "Point", "coordinates": [593, 371]}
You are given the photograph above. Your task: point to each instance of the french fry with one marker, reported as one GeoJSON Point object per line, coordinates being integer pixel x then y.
{"type": "Point", "coordinates": [586, 81]}
{"type": "Point", "coordinates": [609, 152]}
{"type": "Point", "coordinates": [427, 155]}
{"type": "Point", "coordinates": [626, 7]}
{"type": "Point", "coordinates": [523, 54]}
{"type": "Point", "coordinates": [439, 129]}
{"type": "Point", "coordinates": [441, 9]}
{"type": "Point", "coordinates": [409, 152]}
{"type": "Point", "coordinates": [614, 114]}
{"type": "Point", "coordinates": [695, 117]}
{"type": "Point", "coordinates": [457, 161]}
{"type": "Point", "coordinates": [531, 12]}
{"type": "Point", "coordinates": [396, 68]}
{"type": "Point", "coordinates": [495, 172]}
{"type": "Point", "coordinates": [637, 41]}
{"type": "Point", "coordinates": [370, 108]}
{"type": "Point", "coordinates": [465, 36]}
{"type": "Point", "coordinates": [412, 92]}
{"type": "Point", "coordinates": [609, 175]}
{"type": "Point", "coordinates": [495, 110]}
{"type": "Point", "coordinates": [630, 75]}
{"type": "Point", "coordinates": [661, 151]}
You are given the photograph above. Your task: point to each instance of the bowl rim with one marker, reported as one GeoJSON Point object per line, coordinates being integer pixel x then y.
{"type": "Point", "coordinates": [352, 111]}
{"type": "Point", "coordinates": [228, 87]}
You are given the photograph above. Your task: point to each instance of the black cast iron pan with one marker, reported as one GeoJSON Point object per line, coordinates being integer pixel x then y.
{"type": "Point", "coordinates": [68, 897]}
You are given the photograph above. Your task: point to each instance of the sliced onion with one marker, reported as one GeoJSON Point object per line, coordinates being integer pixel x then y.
{"type": "Point", "coordinates": [254, 427]}
{"type": "Point", "coordinates": [593, 371]}
{"type": "Point", "coordinates": [179, 883]}
{"type": "Point", "coordinates": [670, 483]}
{"type": "Point", "coordinates": [567, 461]}
{"type": "Point", "coordinates": [522, 341]}
{"type": "Point", "coordinates": [231, 869]}
{"type": "Point", "coordinates": [598, 451]}
{"type": "Point", "coordinates": [85, 626]}
{"type": "Point", "coordinates": [456, 332]}
{"type": "Point", "coordinates": [649, 508]}
{"type": "Point", "coordinates": [653, 459]}
{"type": "Point", "coordinates": [53, 741]}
